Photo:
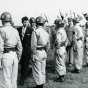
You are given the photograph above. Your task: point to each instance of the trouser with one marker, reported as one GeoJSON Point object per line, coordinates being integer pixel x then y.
{"type": "Point", "coordinates": [70, 55]}
{"type": "Point", "coordinates": [10, 69]}
{"type": "Point", "coordinates": [0, 64]}
{"type": "Point", "coordinates": [60, 61]}
{"type": "Point", "coordinates": [38, 67]}
{"type": "Point", "coordinates": [86, 54]}
{"type": "Point", "coordinates": [24, 62]}
{"type": "Point", "coordinates": [79, 55]}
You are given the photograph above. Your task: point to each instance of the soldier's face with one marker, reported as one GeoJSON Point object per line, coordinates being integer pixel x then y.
{"type": "Point", "coordinates": [25, 23]}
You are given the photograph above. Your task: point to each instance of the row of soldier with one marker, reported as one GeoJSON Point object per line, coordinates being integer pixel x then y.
{"type": "Point", "coordinates": [32, 42]}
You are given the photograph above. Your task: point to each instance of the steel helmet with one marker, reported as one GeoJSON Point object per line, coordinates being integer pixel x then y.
{"type": "Point", "coordinates": [6, 16]}
{"type": "Point", "coordinates": [58, 21]}
{"type": "Point", "coordinates": [40, 20]}
{"type": "Point", "coordinates": [32, 20]}
{"type": "Point", "coordinates": [76, 20]}
{"type": "Point", "coordinates": [69, 19]}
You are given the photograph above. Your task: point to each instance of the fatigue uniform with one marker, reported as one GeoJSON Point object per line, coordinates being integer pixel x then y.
{"type": "Point", "coordinates": [39, 44]}
{"type": "Point", "coordinates": [78, 46]}
{"type": "Point", "coordinates": [11, 50]}
{"type": "Point", "coordinates": [61, 42]}
{"type": "Point", "coordinates": [86, 45]}
{"type": "Point", "coordinates": [69, 31]}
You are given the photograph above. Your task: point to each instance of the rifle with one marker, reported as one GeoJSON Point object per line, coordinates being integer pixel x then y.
{"type": "Point", "coordinates": [61, 15]}
{"type": "Point", "coordinates": [46, 17]}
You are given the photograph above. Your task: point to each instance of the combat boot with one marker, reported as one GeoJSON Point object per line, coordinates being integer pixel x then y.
{"type": "Point", "coordinates": [60, 79]}
{"type": "Point", "coordinates": [39, 86]}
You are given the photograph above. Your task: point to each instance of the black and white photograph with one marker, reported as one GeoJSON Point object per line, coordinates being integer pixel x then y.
{"type": "Point", "coordinates": [44, 44]}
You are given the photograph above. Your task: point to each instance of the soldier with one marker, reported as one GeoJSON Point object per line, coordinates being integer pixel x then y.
{"type": "Point", "coordinates": [10, 50]}
{"type": "Point", "coordinates": [86, 43]}
{"type": "Point", "coordinates": [60, 46]}
{"type": "Point", "coordinates": [78, 39]}
{"type": "Point", "coordinates": [69, 48]}
{"type": "Point", "coordinates": [25, 32]}
{"type": "Point", "coordinates": [40, 45]}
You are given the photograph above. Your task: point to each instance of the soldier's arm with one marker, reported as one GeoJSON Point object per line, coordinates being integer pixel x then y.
{"type": "Point", "coordinates": [1, 46]}
{"type": "Point", "coordinates": [58, 40]}
{"type": "Point", "coordinates": [66, 42]}
{"type": "Point", "coordinates": [19, 47]}
{"type": "Point", "coordinates": [48, 45]}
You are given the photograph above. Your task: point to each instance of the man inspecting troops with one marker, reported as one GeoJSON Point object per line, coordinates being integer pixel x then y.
{"type": "Point", "coordinates": [25, 35]}
{"type": "Point", "coordinates": [10, 50]}
{"type": "Point", "coordinates": [40, 46]}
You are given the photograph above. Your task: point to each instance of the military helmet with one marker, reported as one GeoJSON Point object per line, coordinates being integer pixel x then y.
{"type": "Point", "coordinates": [6, 16]}
{"type": "Point", "coordinates": [32, 20]}
{"type": "Point", "coordinates": [69, 19]}
{"type": "Point", "coordinates": [40, 20]}
{"type": "Point", "coordinates": [76, 20]}
{"type": "Point", "coordinates": [58, 21]}
{"type": "Point", "coordinates": [86, 16]}
{"type": "Point", "coordinates": [86, 25]}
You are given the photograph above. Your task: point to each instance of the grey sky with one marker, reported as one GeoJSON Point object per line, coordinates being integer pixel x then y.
{"type": "Point", "coordinates": [19, 8]}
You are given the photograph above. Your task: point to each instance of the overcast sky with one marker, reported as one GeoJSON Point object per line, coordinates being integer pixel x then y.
{"type": "Point", "coordinates": [20, 8]}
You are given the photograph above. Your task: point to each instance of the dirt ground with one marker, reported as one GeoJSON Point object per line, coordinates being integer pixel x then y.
{"type": "Point", "coordinates": [73, 80]}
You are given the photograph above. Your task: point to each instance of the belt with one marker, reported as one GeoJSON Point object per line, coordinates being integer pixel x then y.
{"type": "Point", "coordinates": [40, 48]}
{"type": "Point", "coordinates": [6, 50]}
{"type": "Point", "coordinates": [62, 44]}
{"type": "Point", "coordinates": [79, 39]}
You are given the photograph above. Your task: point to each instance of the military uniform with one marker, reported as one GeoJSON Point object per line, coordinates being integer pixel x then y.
{"type": "Point", "coordinates": [10, 49]}
{"type": "Point", "coordinates": [61, 39]}
{"type": "Point", "coordinates": [78, 46]}
{"type": "Point", "coordinates": [86, 43]}
{"type": "Point", "coordinates": [69, 31]}
{"type": "Point", "coordinates": [61, 42]}
{"type": "Point", "coordinates": [39, 44]}
{"type": "Point", "coordinates": [10, 59]}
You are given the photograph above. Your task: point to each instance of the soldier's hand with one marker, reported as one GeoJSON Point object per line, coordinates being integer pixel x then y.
{"type": "Point", "coordinates": [33, 58]}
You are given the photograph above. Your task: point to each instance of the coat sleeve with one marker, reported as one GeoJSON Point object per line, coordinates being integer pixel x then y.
{"type": "Point", "coordinates": [1, 45]}
{"type": "Point", "coordinates": [19, 46]}
{"type": "Point", "coordinates": [33, 42]}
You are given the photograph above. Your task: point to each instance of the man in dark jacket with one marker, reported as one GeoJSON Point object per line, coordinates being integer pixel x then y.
{"type": "Point", "coordinates": [25, 34]}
